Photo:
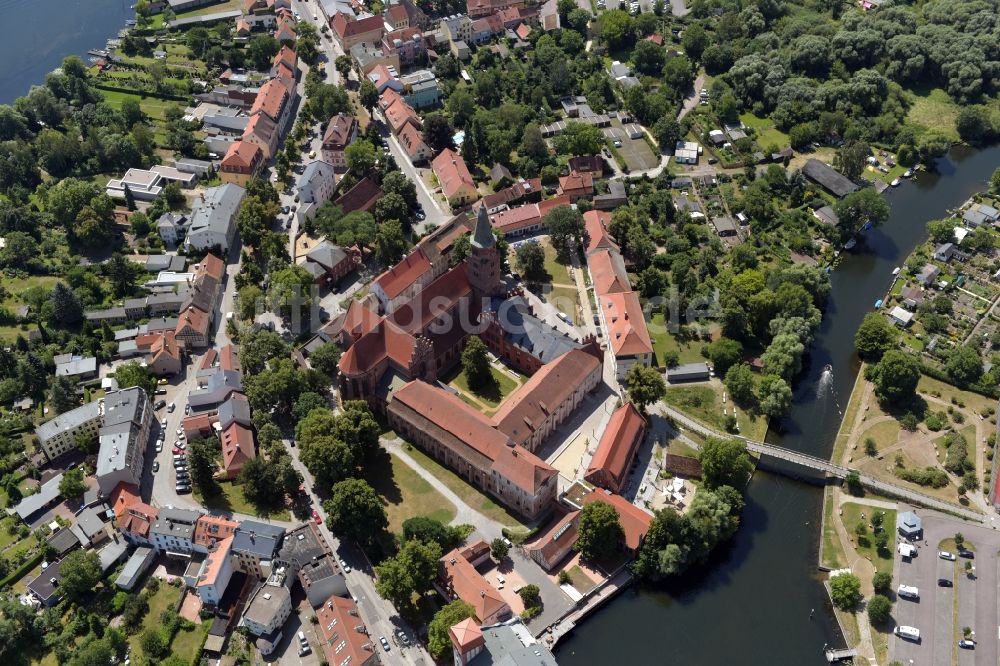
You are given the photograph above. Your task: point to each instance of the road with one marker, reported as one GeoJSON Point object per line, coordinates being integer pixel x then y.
{"type": "Point", "coordinates": [379, 615]}
{"type": "Point", "coordinates": [935, 614]}
{"type": "Point", "coordinates": [435, 215]}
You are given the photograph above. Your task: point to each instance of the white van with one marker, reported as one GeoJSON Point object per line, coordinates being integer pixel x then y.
{"type": "Point", "coordinates": [908, 592]}
{"type": "Point", "coordinates": [302, 638]}
{"type": "Point", "coordinates": [907, 633]}
{"type": "Point", "coordinates": [907, 550]}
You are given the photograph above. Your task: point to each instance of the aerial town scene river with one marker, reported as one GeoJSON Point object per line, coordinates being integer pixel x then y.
{"type": "Point", "coordinates": [499, 331]}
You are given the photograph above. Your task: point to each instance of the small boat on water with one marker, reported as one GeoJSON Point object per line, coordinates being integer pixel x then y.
{"type": "Point", "coordinates": [895, 182]}
{"type": "Point", "coordinates": [827, 368]}
{"type": "Point", "coordinates": [878, 304]}
{"type": "Point", "coordinates": [895, 271]}
{"type": "Point", "coordinates": [849, 245]}
{"type": "Point", "coordinates": [908, 173]}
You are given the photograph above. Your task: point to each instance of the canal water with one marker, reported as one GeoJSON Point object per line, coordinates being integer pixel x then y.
{"type": "Point", "coordinates": [754, 603]}
{"type": "Point", "coordinates": [38, 34]}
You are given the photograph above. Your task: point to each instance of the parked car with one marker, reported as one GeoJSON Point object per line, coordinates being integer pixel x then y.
{"type": "Point", "coordinates": [161, 391]}
{"type": "Point", "coordinates": [966, 644]}
{"type": "Point", "coordinates": [170, 408]}
{"type": "Point", "coordinates": [345, 566]}
{"type": "Point", "coordinates": [403, 638]}
{"type": "Point", "coordinates": [945, 555]}
{"type": "Point", "coordinates": [159, 445]}
{"type": "Point", "coordinates": [945, 582]}
{"type": "Point", "coordinates": [187, 410]}
{"type": "Point", "coordinates": [183, 489]}
{"type": "Point", "coordinates": [967, 554]}
{"type": "Point", "coordinates": [304, 650]}
{"type": "Point", "coordinates": [385, 643]}
{"type": "Point", "coordinates": [316, 517]}
{"type": "Point", "coordinates": [156, 466]}
{"type": "Point", "coordinates": [163, 423]}
{"type": "Point", "coordinates": [284, 209]}
{"type": "Point", "coordinates": [159, 404]}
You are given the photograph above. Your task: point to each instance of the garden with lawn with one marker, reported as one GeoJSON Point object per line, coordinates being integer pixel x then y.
{"type": "Point", "coordinates": [405, 494]}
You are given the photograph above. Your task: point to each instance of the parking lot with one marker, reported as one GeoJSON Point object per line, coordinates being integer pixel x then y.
{"type": "Point", "coordinates": [942, 612]}
{"type": "Point", "coordinates": [636, 152]}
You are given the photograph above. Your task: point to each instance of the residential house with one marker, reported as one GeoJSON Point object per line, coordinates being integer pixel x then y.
{"type": "Point", "coordinates": [46, 586]}
{"type": "Point", "coordinates": [216, 388]}
{"type": "Point", "coordinates": [725, 226]}
{"type": "Point", "coordinates": [171, 227]}
{"type": "Point", "coordinates": [193, 328]}
{"type": "Point", "coordinates": [329, 263]}
{"type": "Point", "coordinates": [284, 31]}
{"type": "Point", "coordinates": [342, 634]}
{"type": "Point", "coordinates": [577, 186]}
{"type": "Point", "coordinates": [587, 164]}
{"type": "Point", "coordinates": [477, 8]}
{"type": "Point", "coordinates": [979, 214]}
{"type": "Point", "coordinates": [407, 44]}
{"type": "Point", "coordinates": [123, 437]}
{"type": "Point", "coordinates": [285, 62]}
{"type": "Point", "coordinates": [255, 545]}
{"type": "Point", "coordinates": [911, 297]}
{"type": "Point", "coordinates": [340, 132]}
{"type": "Point", "coordinates": [242, 163]}
{"type": "Point", "coordinates": [421, 89]}
{"type": "Point", "coordinates": [79, 368]}
{"type": "Point", "coordinates": [627, 334]}
{"type": "Point", "coordinates": [266, 614]}
{"type": "Point", "coordinates": [274, 100]}
{"type": "Point", "coordinates": [397, 112]}
{"type": "Point", "coordinates": [173, 531]}
{"type": "Point", "coordinates": [901, 317]}
{"type": "Point", "coordinates": [396, 17]}
{"type": "Point", "coordinates": [360, 197]}
{"type": "Point", "coordinates": [458, 28]}
{"type": "Point", "coordinates": [263, 133]}
{"type": "Point", "coordinates": [412, 141]}
{"type": "Point", "coordinates": [928, 274]}
{"type": "Point", "coordinates": [454, 177]}
{"type": "Point", "coordinates": [369, 56]}
{"type": "Point", "coordinates": [213, 218]}
{"type": "Point", "coordinates": [945, 252]}
{"type": "Point", "coordinates": [507, 643]}
{"type": "Point", "coordinates": [317, 183]}
{"type": "Point", "coordinates": [385, 78]}
{"type": "Point", "coordinates": [238, 448]}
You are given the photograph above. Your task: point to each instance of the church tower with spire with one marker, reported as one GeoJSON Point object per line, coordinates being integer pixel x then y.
{"type": "Point", "coordinates": [483, 264]}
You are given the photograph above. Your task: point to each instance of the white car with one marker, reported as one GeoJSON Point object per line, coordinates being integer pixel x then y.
{"type": "Point", "coordinates": [180, 445]}
{"type": "Point", "coordinates": [171, 407]}
{"type": "Point", "coordinates": [945, 555]}
{"type": "Point", "coordinates": [345, 566]}
{"type": "Point", "coordinates": [159, 445]}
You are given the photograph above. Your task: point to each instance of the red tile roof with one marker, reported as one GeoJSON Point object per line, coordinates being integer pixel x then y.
{"type": "Point", "coordinates": [559, 535]}
{"type": "Point", "coordinates": [193, 318]}
{"type": "Point", "coordinates": [211, 529]}
{"type": "Point", "coordinates": [523, 30]}
{"type": "Point", "coordinates": [519, 217]}
{"type": "Point", "coordinates": [285, 56]}
{"type": "Point", "coordinates": [439, 296]}
{"type": "Point", "coordinates": [617, 448]}
{"type": "Point", "coordinates": [397, 14]}
{"type": "Point", "coordinates": [242, 156]}
{"type": "Point", "coordinates": [123, 496]}
{"type": "Point", "coordinates": [596, 222]}
{"type": "Point", "coordinates": [470, 586]}
{"type": "Point", "coordinates": [399, 113]}
{"type": "Point", "coordinates": [607, 271]}
{"type": "Point", "coordinates": [270, 99]}
{"type": "Point", "coordinates": [339, 130]}
{"type": "Point", "coordinates": [656, 39]}
{"type": "Point", "coordinates": [385, 341]}
{"type": "Point", "coordinates": [466, 635]}
{"type": "Point", "coordinates": [401, 276]}
{"type": "Point", "coordinates": [360, 197]}
{"type": "Point", "coordinates": [357, 321]}
{"type": "Point", "coordinates": [229, 358]}
{"type": "Point", "coordinates": [237, 447]}
{"type": "Point", "coordinates": [165, 344]}
{"type": "Point", "coordinates": [261, 126]}
{"type": "Point", "coordinates": [412, 140]}
{"type": "Point", "coordinates": [346, 27]}
{"type": "Point", "coordinates": [526, 409]}
{"type": "Point", "coordinates": [577, 183]}
{"type": "Point", "coordinates": [213, 266]}
{"type": "Point", "coordinates": [451, 172]}
{"type": "Point", "coordinates": [344, 638]}
{"type": "Point", "coordinates": [635, 522]}
{"type": "Point", "coordinates": [626, 324]}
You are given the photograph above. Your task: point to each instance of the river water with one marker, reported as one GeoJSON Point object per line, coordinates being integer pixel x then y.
{"type": "Point", "coordinates": [38, 34]}
{"type": "Point", "coordinates": [752, 604]}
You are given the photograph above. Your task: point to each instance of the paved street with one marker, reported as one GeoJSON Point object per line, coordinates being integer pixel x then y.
{"type": "Point", "coordinates": [435, 215]}
{"type": "Point", "coordinates": [935, 614]}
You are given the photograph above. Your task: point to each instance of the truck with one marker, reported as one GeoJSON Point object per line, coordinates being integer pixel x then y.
{"type": "Point", "coordinates": [907, 633]}
{"type": "Point", "coordinates": [907, 550]}
{"type": "Point", "coordinates": [908, 592]}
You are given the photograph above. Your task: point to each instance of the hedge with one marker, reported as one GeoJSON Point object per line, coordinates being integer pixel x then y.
{"type": "Point", "coordinates": [143, 93]}
{"type": "Point", "coordinates": [22, 570]}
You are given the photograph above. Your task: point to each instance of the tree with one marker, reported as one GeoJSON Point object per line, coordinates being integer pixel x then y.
{"type": "Point", "coordinates": [390, 243]}
{"type": "Point", "coordinates": [852, 157]}
{"type": "Point", "coordinates": [845, 591]}
{"type": "Point", "coordinates": [566, 228]}
{"type": "Point", "coordinates": [530, 595]}
{"type": "Point", "coordinates": [134, 374]}
{"type": "Point", "coordinates": [411, 571]}
{"type": "Point", "coordinates": [343, 65]}
{"type": "Point", "coordinates": [895, 377]}
{"type": "Point", "coordinates": [579, 139]}
{"type": "Point", "coordinates": [740, 384]}
{"type": "Point", "coordinates": [964, 366]}
{"type": "Point", "coordinates": [667, 132]}
{"type": "Point", "coordinates": [326, 359]}
{"type": "Point", "coordinates": [995, 181]}
{"type": "Point", "coordinates": [694, 41]}
{"type": "Point", "coordinates": [423, 528]}
{"type": "Point", "coordinates": [874, 337]}
{"type": "Point", "coordinates": [201, 454]}
{"type": "Point", "coordinates": [81, 571]}
{"type": "Point", "coordinates": [327, 458]}
{"type": "Point", "coordinates": [438, 131]}
{"type": "Point", "coordinates": [975, 124]}
{"type": "Point", "coordinates": [879, 608]}
{"type": "Point", "coordinates": [438, 638]}
{"type": "Point", "coordinates": [264, 481]}
{"type": "Point", "coordinates": [395, 182]}
{"type": "Point", "coordinates": [724, 353]}
{"type": "Point", "coordinates": [775, 396]}
{"type": "Point", "coordinates": [499, 549]}
{"type": "Point", "coordinates": [599, 531]}
{"type": "Point", "coordinates": [616, 28]}
{"type": "Point", "coordinates": [882, 582]}
{"type": "Point", "coordinates": [355, 510]}
{"type": "Point", "coordinates": [153, 643]}
{"type": "Point", "coordinates": [360, 157]}
{"type": "Point", "coordinates": [262, 50]}
{"type": "Point", "coordinates": [72, 486]}
{"type": "Point", "coordinates": [857, 208]}
{"type": "Point", "coordinates": [725, 462]}
{"type": "Point", "coordinates": [368, 94]}
{"type": "Point", "coordinates": [66, 307]}
{"type": "Point", "coordinates": [391, 206]}
{"type": "Point", "coordinates": [476, 364]}
{"type": "Point", "coordinates": [648, 58]}
{"type": "Point", "coordinates": [18, 252]}
{"type": "Point", "coordinates": [644, 385]}
{"type": "Point", "coordinates": [530, 260]}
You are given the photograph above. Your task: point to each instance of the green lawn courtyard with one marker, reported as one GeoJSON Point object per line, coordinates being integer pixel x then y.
{"type": "Point", "coordinates": [689, 351]}
{"type": "Point", "coordinates": [487, 398]}
{"type": "Point", "coordinates": [230, 498]}
{"type": "Point", "coordinates": [704, 403]}
{"type": "Point", "coordinates": [405, 494]}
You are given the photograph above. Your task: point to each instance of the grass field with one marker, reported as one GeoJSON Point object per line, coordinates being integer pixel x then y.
{"type": "Point", "coordinates": [558, 271]}
{"type": "Point", "coordinates": [948, 393]}
{"type": "Point", "coordinates": [475, 499]}
{"type": "Point", "coordinates": [665, 341]}
{"type": "Point", "coordinates": [704, 402]}
{"type": "Point", "coordinates": [851, 516]}
{"type": "Point", "coordinates": [566, 299]}
{"type": "Point", "coordinates": [492, 395]}
{"type": "Point", "coordinates": [767, 133]}
{"type": "Point", "coordinates": [16, 286]}
{"type": "Point", "coordinates": [831, 554]}
{"type": "Point", "coordinates": [885, 434]}
{"type": "Point", "coordinates": [165, 598]}
{"type": "Point", "coordinates": [406, 495]}
{"type": "Point", "coordinates": [231, 499]}
{"type": "Point", "coordinates": [153, 107]}
{"type": "Point", "coordinates": [933, 109]}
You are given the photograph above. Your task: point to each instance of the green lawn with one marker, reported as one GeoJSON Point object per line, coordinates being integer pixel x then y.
{"type": "Point", "coordinates": [491, 395]}
{"type": "Point", "coordinates": [187, 642]}
{"type": "Point", "coordinates": [767, 133]}
{"type": "Point", "coordinates": [231, 499]}
{"type": "Point", "coordinates": [466, 492]}
{"type": "Point", "coordinates": [226, 6]}
{"type": "Point", "coordinates": [558, 271]}
{"type": "Point", "coordinates": [567, 300]}
{"type": "Point", "coordinates": [165, 598]}
{"type": "Point", "coordinates": [15, 286]}
{"type": "Point", "coordinates": [153, 107]}
{"type": "Point", "coordinates": [933, 109]}
{"type": "Point", "coordinates": [579, 580]}
{"type": "Point", "coordinates": [948, 393]}
{"type": "Point", "coordinates": [406, 494]}
{"type": "Point", "coordinates": [852, 515]}
{"type": "Point", "coordinates": [704, 403]}
{"type": "Point", "coordinates": [665, 341]}
{"type": "Point", "coordinates": [831, 555]}
{"type": "Point", "coordinates": [885, 434]}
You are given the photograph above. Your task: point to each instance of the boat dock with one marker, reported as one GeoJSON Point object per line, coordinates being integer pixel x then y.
{"type": "Point", "coordinates": [595, 599]}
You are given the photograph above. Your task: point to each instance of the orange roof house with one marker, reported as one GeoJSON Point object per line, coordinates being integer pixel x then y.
{"type": "Point", "coordinates": [556, 541]}
{"type": "Point", "coordinates": [192, 327]}
{"type": "Point", "coordinates": [627, 332]}
{"type": "Point", "coordinates": [466, 636]}
{"type": "Point", "coordinates": [454, 177]}
{"type": "Point", "coordinates": [271, 99]}
{"type": "Point", "coordinates": [342, 634]}
{"type": "Point", "coordinates": [164, 355]}
{"type": "Point", "coordinates": [242, 163]}
{"type": "Point", "coordinates": [617, 449]}
{"type": "Point", "coordinates": [577, 185]}
{"type": "Point", "coordinates": [402, 280]}
{"type": "Point", "coordinates": [350, 31]}
{"type": "Point", "coordinates": [598, 238]}
{"type": "Point", "coordinates": [237, 448]}
{"type": "Point", "coordinates": [263, 133]}
{"type": "Point", "coordinates": [412, 141]}
{"type": "Point", "coordinates": [211, 529]}
{"type": "Point", "coordinates": [460, 580]}
{"type": "Point", "coordinates": [608, 273]}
